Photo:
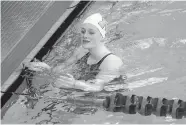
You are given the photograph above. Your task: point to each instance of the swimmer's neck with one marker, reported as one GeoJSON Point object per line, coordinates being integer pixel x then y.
{"type": "Point", "coordinates": [99, 52]}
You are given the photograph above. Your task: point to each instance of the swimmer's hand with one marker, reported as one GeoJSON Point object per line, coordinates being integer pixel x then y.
{"type": "Point", "coordinates": [37, 66]}
{"type": "Point", "coordinates": [68, 81]}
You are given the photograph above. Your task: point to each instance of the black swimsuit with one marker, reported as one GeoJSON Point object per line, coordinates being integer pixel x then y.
{"type": "Point", "coordinates": [85, 71]}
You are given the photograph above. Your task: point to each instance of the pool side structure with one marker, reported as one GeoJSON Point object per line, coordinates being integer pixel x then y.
{"type": "Point", "coordinates": [35, 44]}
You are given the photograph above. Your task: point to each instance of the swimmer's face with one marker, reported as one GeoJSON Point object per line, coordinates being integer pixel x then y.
{"type": "Point", "coordinates": [90, 36]}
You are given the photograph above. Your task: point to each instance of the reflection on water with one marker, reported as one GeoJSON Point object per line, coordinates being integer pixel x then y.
{"type": "Point", "coordinates": [149, 37]}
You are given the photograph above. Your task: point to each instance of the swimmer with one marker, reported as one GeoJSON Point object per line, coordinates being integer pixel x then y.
{"type": "Point", "coordinates": [95, 60]}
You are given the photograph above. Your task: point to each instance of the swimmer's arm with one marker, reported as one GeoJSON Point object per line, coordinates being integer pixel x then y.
{"type": "Point", "coordinates": [107, 73]}
{"type": "Point", "coordinates": [95, 85]}
{"type": "Point", "coordinates": [91, 86]}
{"type": "Point", "coordinates": [102, 79]}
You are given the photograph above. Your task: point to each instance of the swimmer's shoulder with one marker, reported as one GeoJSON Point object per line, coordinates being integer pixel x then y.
{"type": "Point", "coordinates": [112, 62]}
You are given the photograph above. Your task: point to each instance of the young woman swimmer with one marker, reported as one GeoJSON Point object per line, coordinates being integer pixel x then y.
{"type": "Point", "coordinates": [97, 65]}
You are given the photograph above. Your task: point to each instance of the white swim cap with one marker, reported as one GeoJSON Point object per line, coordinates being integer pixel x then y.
{"type": "Point", "coordinates": [98, 21]}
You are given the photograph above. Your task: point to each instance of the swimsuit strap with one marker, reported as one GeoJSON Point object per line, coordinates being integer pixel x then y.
{"type": "Point", "coordinates": [84, 58]}
{"type": "Point", "coordinates": [99, 63]}
{"type": "Point", "coordinates": [87, 55]}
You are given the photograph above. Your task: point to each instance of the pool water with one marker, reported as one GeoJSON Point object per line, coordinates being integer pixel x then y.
{"type": "Point", "coordinates": [149, 37]}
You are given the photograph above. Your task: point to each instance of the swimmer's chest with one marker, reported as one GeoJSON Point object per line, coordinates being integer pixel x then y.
{"type": "Point", "coordinates": [87, 68]}
{"type": "Point", "coordinates": [91, 61]}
